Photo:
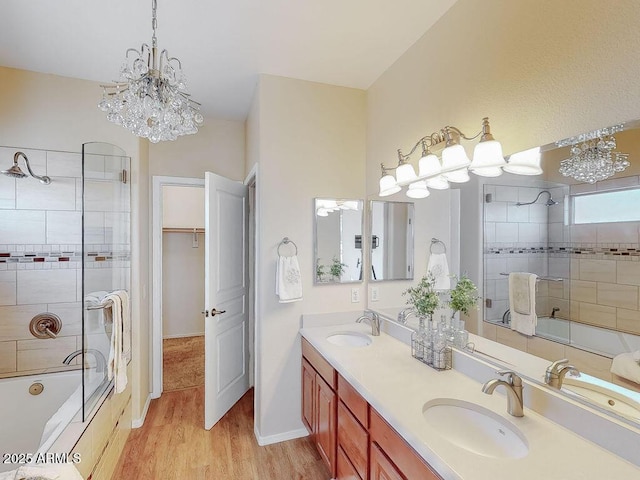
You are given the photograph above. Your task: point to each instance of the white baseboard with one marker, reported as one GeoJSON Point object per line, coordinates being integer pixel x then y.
{"type": "Point", "coordinates": [184, 335]}
{"type": "Point", "coordinates": [138, 422]}
{"type": "Point", "coordinates": [279, 437]}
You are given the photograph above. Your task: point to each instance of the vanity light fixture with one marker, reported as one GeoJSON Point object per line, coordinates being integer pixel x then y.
{"type": "Point", "coordinates": [488, 161]}
{"type": "Point", "coordinates": [150, 100]}
{"type": "Point", "coordinates": [592, 155]}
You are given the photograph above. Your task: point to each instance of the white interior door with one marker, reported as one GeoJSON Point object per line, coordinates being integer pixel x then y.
{"type": "Point", "coordinates": [226, 288]}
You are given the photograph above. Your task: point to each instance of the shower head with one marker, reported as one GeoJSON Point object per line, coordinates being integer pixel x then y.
{"type": "Point", "coordinates": [550, 202]}
{"type": "Point", "coordinates": [16, 172]}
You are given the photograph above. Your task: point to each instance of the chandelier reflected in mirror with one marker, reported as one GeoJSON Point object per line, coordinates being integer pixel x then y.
{"type": "Point", "coordinates": [592, 156]}
{"type": "Point", "coordinates": [150, 99]}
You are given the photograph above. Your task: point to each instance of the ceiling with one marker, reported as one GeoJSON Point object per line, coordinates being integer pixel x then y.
{"type": "Point", "coordinates": [223, 45]}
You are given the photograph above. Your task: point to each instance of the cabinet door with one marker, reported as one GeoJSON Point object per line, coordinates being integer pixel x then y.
{"type": "Point", "coordinates": [345, 471]}
{"type": "Point", "coordinates": [325, 423]}
{"type": "Point", "coordinates": [381, 468]}
{"type": "Point", "coordinates": [353, 439]}
{"type": "Point", "coordinates": [308, 388]}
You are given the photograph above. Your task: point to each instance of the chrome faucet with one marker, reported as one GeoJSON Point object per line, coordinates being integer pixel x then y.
{"type": "Point", "coordinates": [374, 321]}
{"type": "Point", "coordinates": [513, 386]}
{"type": "Point", "coordinates": [554, 376]}
{"type": "Point", "coordinates": [101, 362]}
{"type": "Point", "coordinates": [404, 315]}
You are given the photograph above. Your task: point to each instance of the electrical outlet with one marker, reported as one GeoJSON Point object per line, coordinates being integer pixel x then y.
{"type": "Point", "coordinates": [355, 295]}
{"type": "Point", "coordinates": [374, 294]}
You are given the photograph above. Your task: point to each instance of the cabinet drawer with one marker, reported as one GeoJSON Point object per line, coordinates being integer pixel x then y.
{"type": "Point", "coordinates": [323, 367]}
{"type": "Point", "coordinates": [399, 452]}
{"type": "Point", "coordinates": [381, 467]}
{"type": "Point", "coordinates": [353, 439]}
{"type": "Point", "coordinates": [345, 470]}
{"type": "Point", "coordinates": [352, 399]}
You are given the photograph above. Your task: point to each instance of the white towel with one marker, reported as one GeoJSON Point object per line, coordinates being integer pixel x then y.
{"type": "Point", "coordinates": [439, 268]}
{"type": "Point", "coordinates": [522, 302]}
{"type": "Point", "coordinates": [626, 366]}
{"type": "Point", "coordinates": [120, 350]}
{"type": "Point", "coordinates": [288, 279]}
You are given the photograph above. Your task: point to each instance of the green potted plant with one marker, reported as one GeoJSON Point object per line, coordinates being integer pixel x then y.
{"type": "Point", "coordinates": [320, 270]}
{"type": "Point", "coordinates": [464, 296]}
{"type": "Point", "coordinates": [423, 297]}
{"type": "Point", "coordinates": [337, 268]}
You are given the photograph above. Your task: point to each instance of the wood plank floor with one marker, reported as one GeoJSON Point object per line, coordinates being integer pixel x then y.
{"type": "Point", "coordinates": [182, 363]}
{"type": "Point", "coordinates": [173, 445]}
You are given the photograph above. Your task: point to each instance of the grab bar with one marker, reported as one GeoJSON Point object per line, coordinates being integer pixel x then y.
{"type": "Point", "coordinates": [547, 279]}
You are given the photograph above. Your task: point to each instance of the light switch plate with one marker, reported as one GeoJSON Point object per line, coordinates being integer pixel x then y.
{"type": "Point", "coordinates": [374, 294]}
{"type": "Point", "coordinates": [355, 295]}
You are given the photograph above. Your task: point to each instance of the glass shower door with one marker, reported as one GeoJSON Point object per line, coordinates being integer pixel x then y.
{"type": "Point", "coordinates": [106, 266]}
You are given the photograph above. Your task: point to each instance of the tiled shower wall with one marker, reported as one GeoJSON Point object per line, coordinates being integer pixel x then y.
{"type": "Point", "coordinates": [516, 239]}
{"type": "Point", "coordinates": [41, 254]}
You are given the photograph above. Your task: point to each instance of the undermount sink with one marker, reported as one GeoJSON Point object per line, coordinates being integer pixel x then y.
{"type": "Point", "coordinates": [604, 397]}
{"type": "Point", "coordinates": [349, 339]}
{"type": "Point", "coordinates": [475, 428]}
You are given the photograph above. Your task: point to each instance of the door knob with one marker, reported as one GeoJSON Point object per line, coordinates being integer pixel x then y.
{"type": "Point", "coordinates": [217, 312]}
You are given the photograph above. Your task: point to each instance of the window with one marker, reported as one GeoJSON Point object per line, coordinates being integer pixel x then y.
{"type": "Point", "coordinates": [604, 207]}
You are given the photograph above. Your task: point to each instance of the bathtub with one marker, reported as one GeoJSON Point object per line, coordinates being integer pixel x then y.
{"type": "Point", "coordinates": [23, 416]}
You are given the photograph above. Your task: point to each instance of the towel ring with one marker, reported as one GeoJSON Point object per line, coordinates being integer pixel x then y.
{"type": "Point", "coordinates": [286, 241]}
{"type": "Point", "coordinates": [435, 241]}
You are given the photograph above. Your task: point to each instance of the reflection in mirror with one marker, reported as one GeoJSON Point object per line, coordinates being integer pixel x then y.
{"type": "Point", "coordinates": [581, 240]}
{"type": "Point", "coordinates": [338, 240]}
{"type": "Point", "coordinates": [391, 245]}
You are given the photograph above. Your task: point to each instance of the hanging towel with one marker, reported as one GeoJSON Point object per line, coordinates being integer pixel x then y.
{"type": "Point", "coordinates": [439, 268]}
{"type": "Point", "coordinates": [522, 302]}
{"type": "Point", "coordinates": [120, 350]}
{"type": "Point", "coordinates": [288, 279]}
{"type": "Point", "coordinates": [626, 366]}
{"type": "Point", "coordinates": [47, 471]}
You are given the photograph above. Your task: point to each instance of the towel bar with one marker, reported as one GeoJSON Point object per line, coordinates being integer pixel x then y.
{"type": "Point", "coordinates": [436, 241]}
{"type": "Point", "coordinates": [286, 241]}
{"type": "Point", "coordinates": [547, 279]}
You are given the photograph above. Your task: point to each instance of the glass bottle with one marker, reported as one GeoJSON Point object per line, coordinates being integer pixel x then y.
{"type": "Point", "coordinates": [439, 346]}
{"type": "Point", "coordinates": [419, 339]}
{"type": "Point", "coordinates": [462, 336]}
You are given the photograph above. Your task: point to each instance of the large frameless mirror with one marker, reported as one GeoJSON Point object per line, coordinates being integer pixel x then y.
{"type": "Point", "coordinates": [338, 241]}
{"type": "Point", "coordinates": [575, 227]}
{"type": "Point", "coordinates": [391, 240]}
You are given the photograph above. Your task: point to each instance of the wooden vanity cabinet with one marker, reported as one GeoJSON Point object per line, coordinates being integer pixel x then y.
{"type": "Point", "coordinates": [355, 442]}
{"type": "Point", "coordinates": [319, 403]}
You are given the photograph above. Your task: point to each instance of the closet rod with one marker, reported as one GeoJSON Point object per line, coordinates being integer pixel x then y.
{"type": "Point", "coordinates": [182, 230]}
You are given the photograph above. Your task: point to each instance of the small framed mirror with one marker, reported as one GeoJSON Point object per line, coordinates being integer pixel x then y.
{"type": "Point", "coordinates": [391, 244]}
{"type": "Point", "coordinates": [338, 240]}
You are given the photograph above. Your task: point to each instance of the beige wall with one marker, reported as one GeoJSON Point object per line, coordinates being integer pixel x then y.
{"type": "Point", "coordinates": [542, 70]}
{"type": "Point", "coordinates": [217, 147]}
{"type": "Point", "coordinates": [311, 144]}
{"type": "Point", "coordinates": [58, 113]}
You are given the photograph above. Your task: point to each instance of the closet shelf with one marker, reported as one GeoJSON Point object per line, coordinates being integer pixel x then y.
{"type": "Point", "coordinates": [182, 230]}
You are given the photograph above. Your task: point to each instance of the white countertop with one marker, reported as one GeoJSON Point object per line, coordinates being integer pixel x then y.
{"type": "Point", "coordinates": [397, 386]}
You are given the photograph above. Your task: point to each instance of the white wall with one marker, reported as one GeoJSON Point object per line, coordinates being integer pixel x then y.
{"type": "Point", "coordinates": [309, 140]}
{"type": "Point", "coordinates": [542, 70]}
{"type": "Point", "coordinates": [218, 147]}
{"type": "Point", "coordinates": [182, 285]}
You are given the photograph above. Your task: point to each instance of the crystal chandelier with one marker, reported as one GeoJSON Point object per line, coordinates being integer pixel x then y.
{"type": "Point", "coordinates": [592, 157]}
{"type": "Point", "coordinates": [150, 99]}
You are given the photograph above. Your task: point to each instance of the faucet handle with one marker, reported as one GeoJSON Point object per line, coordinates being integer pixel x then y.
{"type": "Point", "coordinates": [512, 377]}
{"type": "Point", "coordinates": [553, 368]}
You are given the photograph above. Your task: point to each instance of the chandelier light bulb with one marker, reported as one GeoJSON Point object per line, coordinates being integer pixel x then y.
{"type": "Point", "coordinates": [437, 183]}
{"type": "Point", "coordinates": [418, 190]}
{"type": "Point", "coordinates": [429, 165]}
{"type": "Point", "coordinates": [455, 163]}
{"type": "Point", "coordinates": [487, 159]}
{"type": "Point", "coordinates": [526, 162]}
{"type": "Point", "coordinates": [405, 173]}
